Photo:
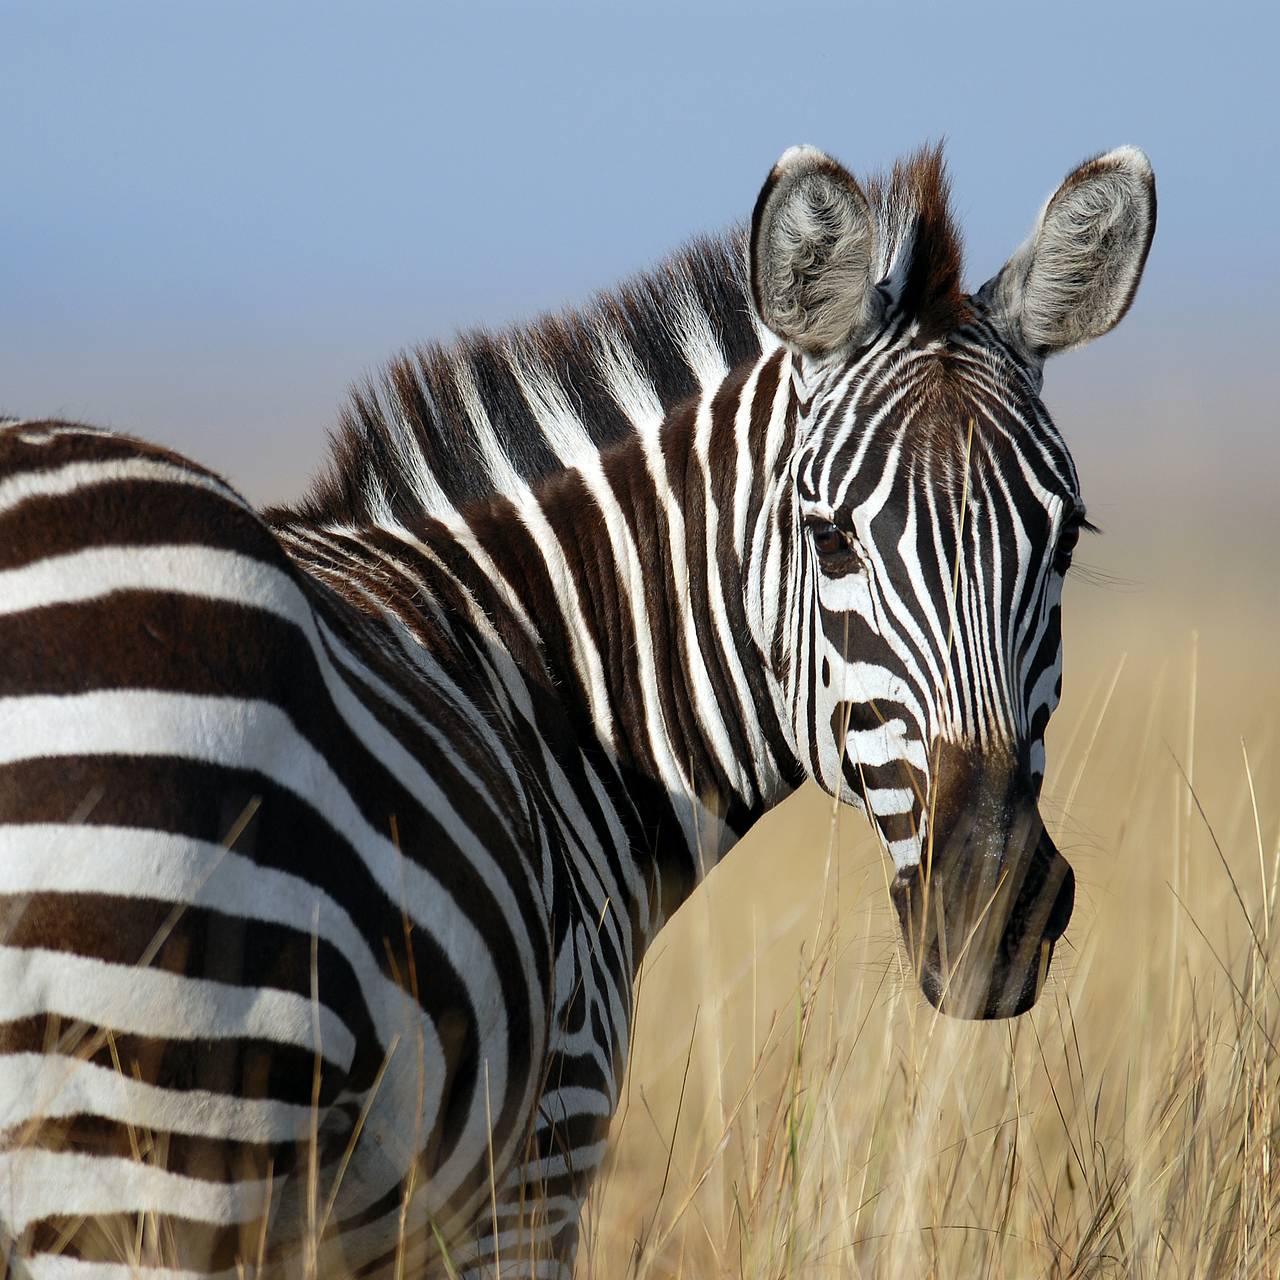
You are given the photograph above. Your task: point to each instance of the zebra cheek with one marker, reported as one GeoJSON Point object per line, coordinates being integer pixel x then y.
{"type": "Point", "coordinates": [847, 593]}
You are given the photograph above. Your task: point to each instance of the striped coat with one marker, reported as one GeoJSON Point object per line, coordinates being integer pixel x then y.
{"type": "Point", "coordinates": [402, 879]}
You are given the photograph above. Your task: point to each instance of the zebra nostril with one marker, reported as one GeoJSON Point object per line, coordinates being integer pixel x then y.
{"type": "Point", "coordinates": [1063, 904]}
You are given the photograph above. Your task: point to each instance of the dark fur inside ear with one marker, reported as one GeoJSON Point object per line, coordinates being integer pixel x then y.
{"type": "Point", "coordinates": [1077, 275]}
{"type": "Point", "coordinates": [812, 250]}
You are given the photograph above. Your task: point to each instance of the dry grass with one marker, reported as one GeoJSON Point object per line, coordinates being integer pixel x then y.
{"type": "Point", "coordinates": [794, 1107]}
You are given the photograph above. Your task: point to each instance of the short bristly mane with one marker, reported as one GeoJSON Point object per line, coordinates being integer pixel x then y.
{"type": "Point", "coordinates": [474, 414]}
{"type": "Point", "coordinates": [920, 249]}
{"type": "Point", "coordinates": [445, 425]}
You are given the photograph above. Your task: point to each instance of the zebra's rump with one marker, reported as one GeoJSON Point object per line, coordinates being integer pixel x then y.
{"type": "Point", "coordinates": [242, 926]}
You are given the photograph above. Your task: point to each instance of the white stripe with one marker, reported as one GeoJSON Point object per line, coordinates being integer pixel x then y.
{"type": "Point", "coordinates": [758, 758]}
{"type": "Point", "coordinates": [885, 744]}
{"type": "Point", "coordinates": [559, 1105]}
{"type": "Point", "coordinates": [549, 403]}
{"type": "Point", "coordinates": [36, 1086]}
{"type": "Point", "coordinates": [888, 801]}
{"type": "Point", "coordinates": [764, 553]}
{"type": "Point", "coordinates": [705, 705]}
{"type": "Point", "coordinates": [404, 440]}
{"type": "Point", "coordinates": [870, 682]}
{"type": "Point", "coordinates": [906, 852]}
{"type": "Point", "coordinates": [62, 1266]}
{"type": "Point", "coordinates": [152, 1002]}
{"type": "Point", "coordinates": [692, 330]}
{"type": "Point", "coordinates": [38, 1184]}
{"type": "Point", "coordinates": [629, 385]}
{"type": "Point", "coordinates": [586, 655]}
{"type": "Point", "coordinates": [94, 572]}
{"type": "Point", "coordinates": [502, 474]}
{"type": "Point", "coordinates": [745, 463]}
{"type": "Point", "coordinates": [575, 1160]}
{"type": "Point", "coordinates": [57, 481]}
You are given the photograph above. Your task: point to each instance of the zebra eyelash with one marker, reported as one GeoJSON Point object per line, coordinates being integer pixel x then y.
{"type": "Point", "coordinates": [1069, 539]}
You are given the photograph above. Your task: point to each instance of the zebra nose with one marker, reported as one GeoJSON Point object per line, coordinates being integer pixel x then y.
{"type": "Point", "coordinates": [981, 934]}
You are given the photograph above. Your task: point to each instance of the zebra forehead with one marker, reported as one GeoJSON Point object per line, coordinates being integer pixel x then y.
{"type": "Point", "coordinates": [934, 418]}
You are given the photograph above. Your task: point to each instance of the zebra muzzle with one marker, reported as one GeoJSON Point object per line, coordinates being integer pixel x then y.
{"type": "Point", "coordinates": [981, 933]}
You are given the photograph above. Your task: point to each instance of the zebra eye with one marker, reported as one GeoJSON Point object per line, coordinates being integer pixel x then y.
{"type": "Point", "coordinates": [829, 539]}
{"type": "Point", "coordinates": [1066, 546]}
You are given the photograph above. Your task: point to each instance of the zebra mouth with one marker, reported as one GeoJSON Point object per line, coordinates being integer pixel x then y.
{"type": "Point", "coordinates": [1006, 995]}
{"type": "Point", "coordinates": [977, 956]}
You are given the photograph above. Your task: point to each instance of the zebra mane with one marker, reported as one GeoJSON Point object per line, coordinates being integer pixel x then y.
{"type": "Point", "coordinates": [448, 424]}
{"type": "Point", "coordinates": [919, 246]}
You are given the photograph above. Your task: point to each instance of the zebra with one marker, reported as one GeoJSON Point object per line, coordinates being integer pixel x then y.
{"type": "Point", "coordinates": [332, 835]}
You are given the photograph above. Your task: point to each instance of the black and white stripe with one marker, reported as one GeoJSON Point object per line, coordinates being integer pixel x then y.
{"type": "Point", "coordinates": [332, 839]}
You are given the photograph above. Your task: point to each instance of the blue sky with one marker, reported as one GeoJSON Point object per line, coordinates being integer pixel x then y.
{"type": "Point", "coordinates": [213, 218]}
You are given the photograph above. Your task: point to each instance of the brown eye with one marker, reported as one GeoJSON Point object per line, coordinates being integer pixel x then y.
{"type": "Point", "coordinates": [828, 539]}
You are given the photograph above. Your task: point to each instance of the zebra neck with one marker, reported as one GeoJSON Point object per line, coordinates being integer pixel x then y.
{"type": "Point", "coordinates": [631, 567]}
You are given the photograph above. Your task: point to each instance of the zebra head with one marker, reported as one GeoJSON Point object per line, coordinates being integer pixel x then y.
{"type": "Point", "coordinates": [924, 517]}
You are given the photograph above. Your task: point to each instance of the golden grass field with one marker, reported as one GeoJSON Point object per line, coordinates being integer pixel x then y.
{"type": "Point", "coordinates": [795, 1108]}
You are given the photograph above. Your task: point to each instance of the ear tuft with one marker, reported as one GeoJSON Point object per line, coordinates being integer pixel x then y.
{"type": "Point", "coordinates": [794, 158]}
{"type": "Point", "coordinates": [812, 248]}
{"type": "Point", "coordinates": [1076, 276]}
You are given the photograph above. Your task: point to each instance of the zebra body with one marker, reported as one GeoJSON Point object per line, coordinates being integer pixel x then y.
{"type": "Point", "coordinates": [333, 838]}
{"type": "Point", "coordinates": [401, 868]}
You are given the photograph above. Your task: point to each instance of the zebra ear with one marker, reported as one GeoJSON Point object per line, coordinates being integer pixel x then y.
{"type": "Point", "coordinates": [812, 250]}
{"type": "Point", "coordinates": [1076, 275]}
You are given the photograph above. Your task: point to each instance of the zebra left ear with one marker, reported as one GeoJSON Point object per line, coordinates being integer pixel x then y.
{"type": "Point", "coordinates": [1074, 279]}
{"type": "Point", "coordinates": [812, 249]}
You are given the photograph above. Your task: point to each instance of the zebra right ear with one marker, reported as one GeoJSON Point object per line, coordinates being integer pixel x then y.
{"type": "Point", "coordinates": [813, 243]}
